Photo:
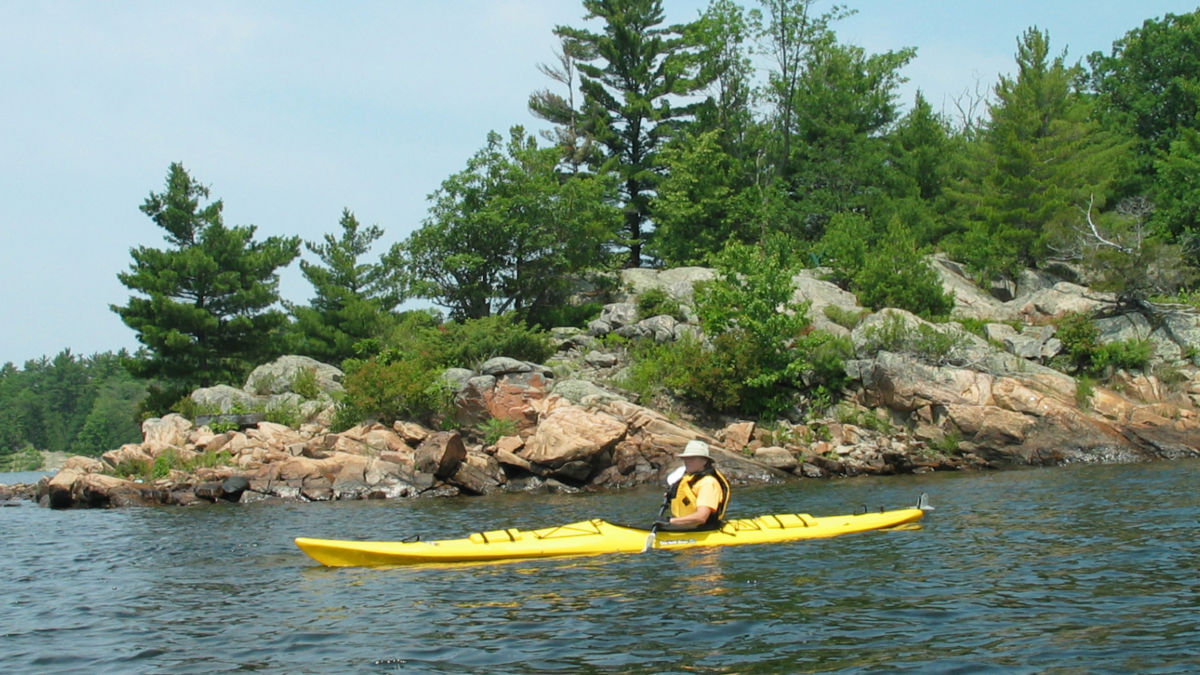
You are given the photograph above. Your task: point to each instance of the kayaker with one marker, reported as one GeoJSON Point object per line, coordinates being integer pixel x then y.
{"type": "Point", "coordinates": [699, 499]}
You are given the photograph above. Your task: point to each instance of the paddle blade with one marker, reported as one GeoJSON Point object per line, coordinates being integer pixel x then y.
{"type": "Point", "coordinates": [649, 543]}
{"type": "Point", "coordinates": [675, 476]}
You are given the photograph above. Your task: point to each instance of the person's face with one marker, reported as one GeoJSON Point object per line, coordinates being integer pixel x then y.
{"type": "Point", "coordinates": [694, 464]}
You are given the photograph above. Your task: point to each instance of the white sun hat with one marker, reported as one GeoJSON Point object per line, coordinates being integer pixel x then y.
{"type": "Point", "coordinates": [696, 449]}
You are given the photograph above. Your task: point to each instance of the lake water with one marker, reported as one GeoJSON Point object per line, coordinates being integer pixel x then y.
{"type": "Point", "coordinates": [1086, 569]}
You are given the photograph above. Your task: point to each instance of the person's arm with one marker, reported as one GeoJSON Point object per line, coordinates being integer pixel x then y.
{"type": "Point", "coordinates": [698, 517]}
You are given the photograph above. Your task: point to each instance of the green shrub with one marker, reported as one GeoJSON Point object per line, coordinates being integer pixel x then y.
{"type": "Point", "coordinates": [780, 433]}
{"type": "Point", "coordinates": [1080, 339]}
{"type": "Point", "coordinates": [758, 360]}
{"type": "Point", "coordinates": [1123, 355]}
{"type": "Point", "coordinates": [866, 419]}
{"type": "Point", "coordinates": [846, 318]}
{"type": "Point", "coordinates": [397, 390]}
{"type": "Point", "coordinates": [345, 416]}
{"type": "Point", "coordinates": [894, 274]}
{"type": "Point", "coordinates": [972, 325]}
{"type": "Point", "coordinates": [286, 413]}
{"type": "Point", "coordinates": [208, 460]}
{"type": "Point", "coordinates": [494, 428]}
{"type": "Point", "coordinates": [922, 342]}
{"type": "Point", "coordinates": [657, 302]}
{"type": "Point", "coordinates": [222, 427]}
{"type": "Point", "coordinates": [553, 316]}
{"type": "Point", "coordinates": [948, 445]}
{"type": "Point", "coordinates": [1085, 355]}
{"type": "Point", "coordinates": [304, 383]}
{"type": "Point", "coordinates": [463, 344]}
{"type": "Point", "coordinates": [168, 461]}
{"type": "Point", "coordinates": [131, 469]}
{"type": "Point", "coordinates": [163, 463]}
{"type": "Point", "coordinates": [845, 246]}
{"type": "Point", "coordinates": [820, 432]}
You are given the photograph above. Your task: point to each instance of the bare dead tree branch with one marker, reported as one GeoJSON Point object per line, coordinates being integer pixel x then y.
{"type": "Point", "coordinates": [970, 104]}
{"type": "Point", "coordinates": [1096, 231]}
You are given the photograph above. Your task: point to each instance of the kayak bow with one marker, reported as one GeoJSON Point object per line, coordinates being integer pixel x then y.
{"type": "Point", "coordinates": [595, 537]}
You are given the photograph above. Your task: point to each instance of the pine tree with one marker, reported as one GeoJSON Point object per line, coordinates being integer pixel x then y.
{"type": "Point", "coordinates": [353, 300]}
{"type": "Point", "coordinates": [629, 74]}
{"type": "Point", "coordinates": [204, 311]}
{"type": "Point", "coordinates": [1041, 158]}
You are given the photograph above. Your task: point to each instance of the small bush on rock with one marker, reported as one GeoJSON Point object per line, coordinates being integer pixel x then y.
{"type": "Point", "coordinates": [761, 354]}
{"type": "Point", "coordinates": [406, 389]}
{"type": "Point", "coordinates": [1084, 355]}
{"type": "Point", "coordinates": [922, 342]}
{"type": "Point", "coordinates": [494, 428]}
{"type": "Point", "coordinates": [846, 318]}
{"type": "Point", "coordinates": [304, 383]}
{"type": "Point", "coordinates": [465, 344]}
{"type": "Point", "coordinates": [657, 302]}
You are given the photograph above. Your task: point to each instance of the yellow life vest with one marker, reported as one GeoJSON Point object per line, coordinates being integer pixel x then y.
{"type": "Point", "coordinates": [684, 501]}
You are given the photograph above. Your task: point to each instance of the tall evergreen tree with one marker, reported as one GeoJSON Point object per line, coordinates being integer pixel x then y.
{"type": "Point", "coordinates": [353, 300]}
{"type": "Point", "coordinates": [845, 103]}
{"type": "Point", "coordinates": [569, 134]}
{"type": "Point", "coordinates": [722, 56]}
{"type": "Point", "coordinates": [1040, 159]}
{"type": "Point", "coordinates": [926, 155]}
{"type": "Point", "coordinates": [205, 313]}
{"type": "Point", "coordinates": [629, 74]}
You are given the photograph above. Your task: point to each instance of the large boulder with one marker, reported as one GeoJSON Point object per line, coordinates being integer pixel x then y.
{"type": "Point", "coordinates": [170, 430]}
{"type": "Point", "coordinates": [505, 390]}
{"type": "Point", "coordinates": [1062, 299]}
{"type": "Point", "coordinates": [654, 426]}
{"type": "Point", "coordinates": [823, 294]}
{"type": "Point", "coordinates": [223, 399]}
{"type": "Point", "coordinates": [282, 374]}
{"type": "Point", "coordinates": [619, 314]}
{"type": "Point", "coordinates": [1030, 418]}
{"type": "Point", "coordinates": [128, 454]}
{"type": "Point", "coordinates": [970, 300]}
{"type": "Point", "coordinates": [661, 328]}
{"type": "Point", "coordinates": [61, 488]}
{"type": "Point", "coordinates": [85, 464]}
{"type": "Point", "coordinates": [568, 434]}
{"type": "Point", "coordinates": [582, 392]}
{"type": "Point", "coordinates": [677, 282]}
{"type": "Point", "coordinates": [440, 454]}
{"type": "Point", "coordinates": [776, 457]}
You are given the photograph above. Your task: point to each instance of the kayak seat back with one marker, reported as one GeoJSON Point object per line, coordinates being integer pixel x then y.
{"type": "Point", "coordinates": [497, 536]}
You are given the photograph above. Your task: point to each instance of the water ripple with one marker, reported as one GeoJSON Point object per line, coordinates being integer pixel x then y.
{"type": "Point", "coordinates": [1073, 570]}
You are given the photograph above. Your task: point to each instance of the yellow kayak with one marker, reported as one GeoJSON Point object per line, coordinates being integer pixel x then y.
{"type": "Point", "coordinates": [595, 537]}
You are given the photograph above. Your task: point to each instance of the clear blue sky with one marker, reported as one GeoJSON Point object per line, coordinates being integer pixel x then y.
{"type": "Point", "coordinates": [291, 111]}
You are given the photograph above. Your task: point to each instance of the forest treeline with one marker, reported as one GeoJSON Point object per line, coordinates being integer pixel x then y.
{"type": "Point", "coordinates": [752, 140]}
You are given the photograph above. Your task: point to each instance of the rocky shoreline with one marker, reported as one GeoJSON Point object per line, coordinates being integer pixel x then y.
{"type": "Point", "coordinates": [979, 403]}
